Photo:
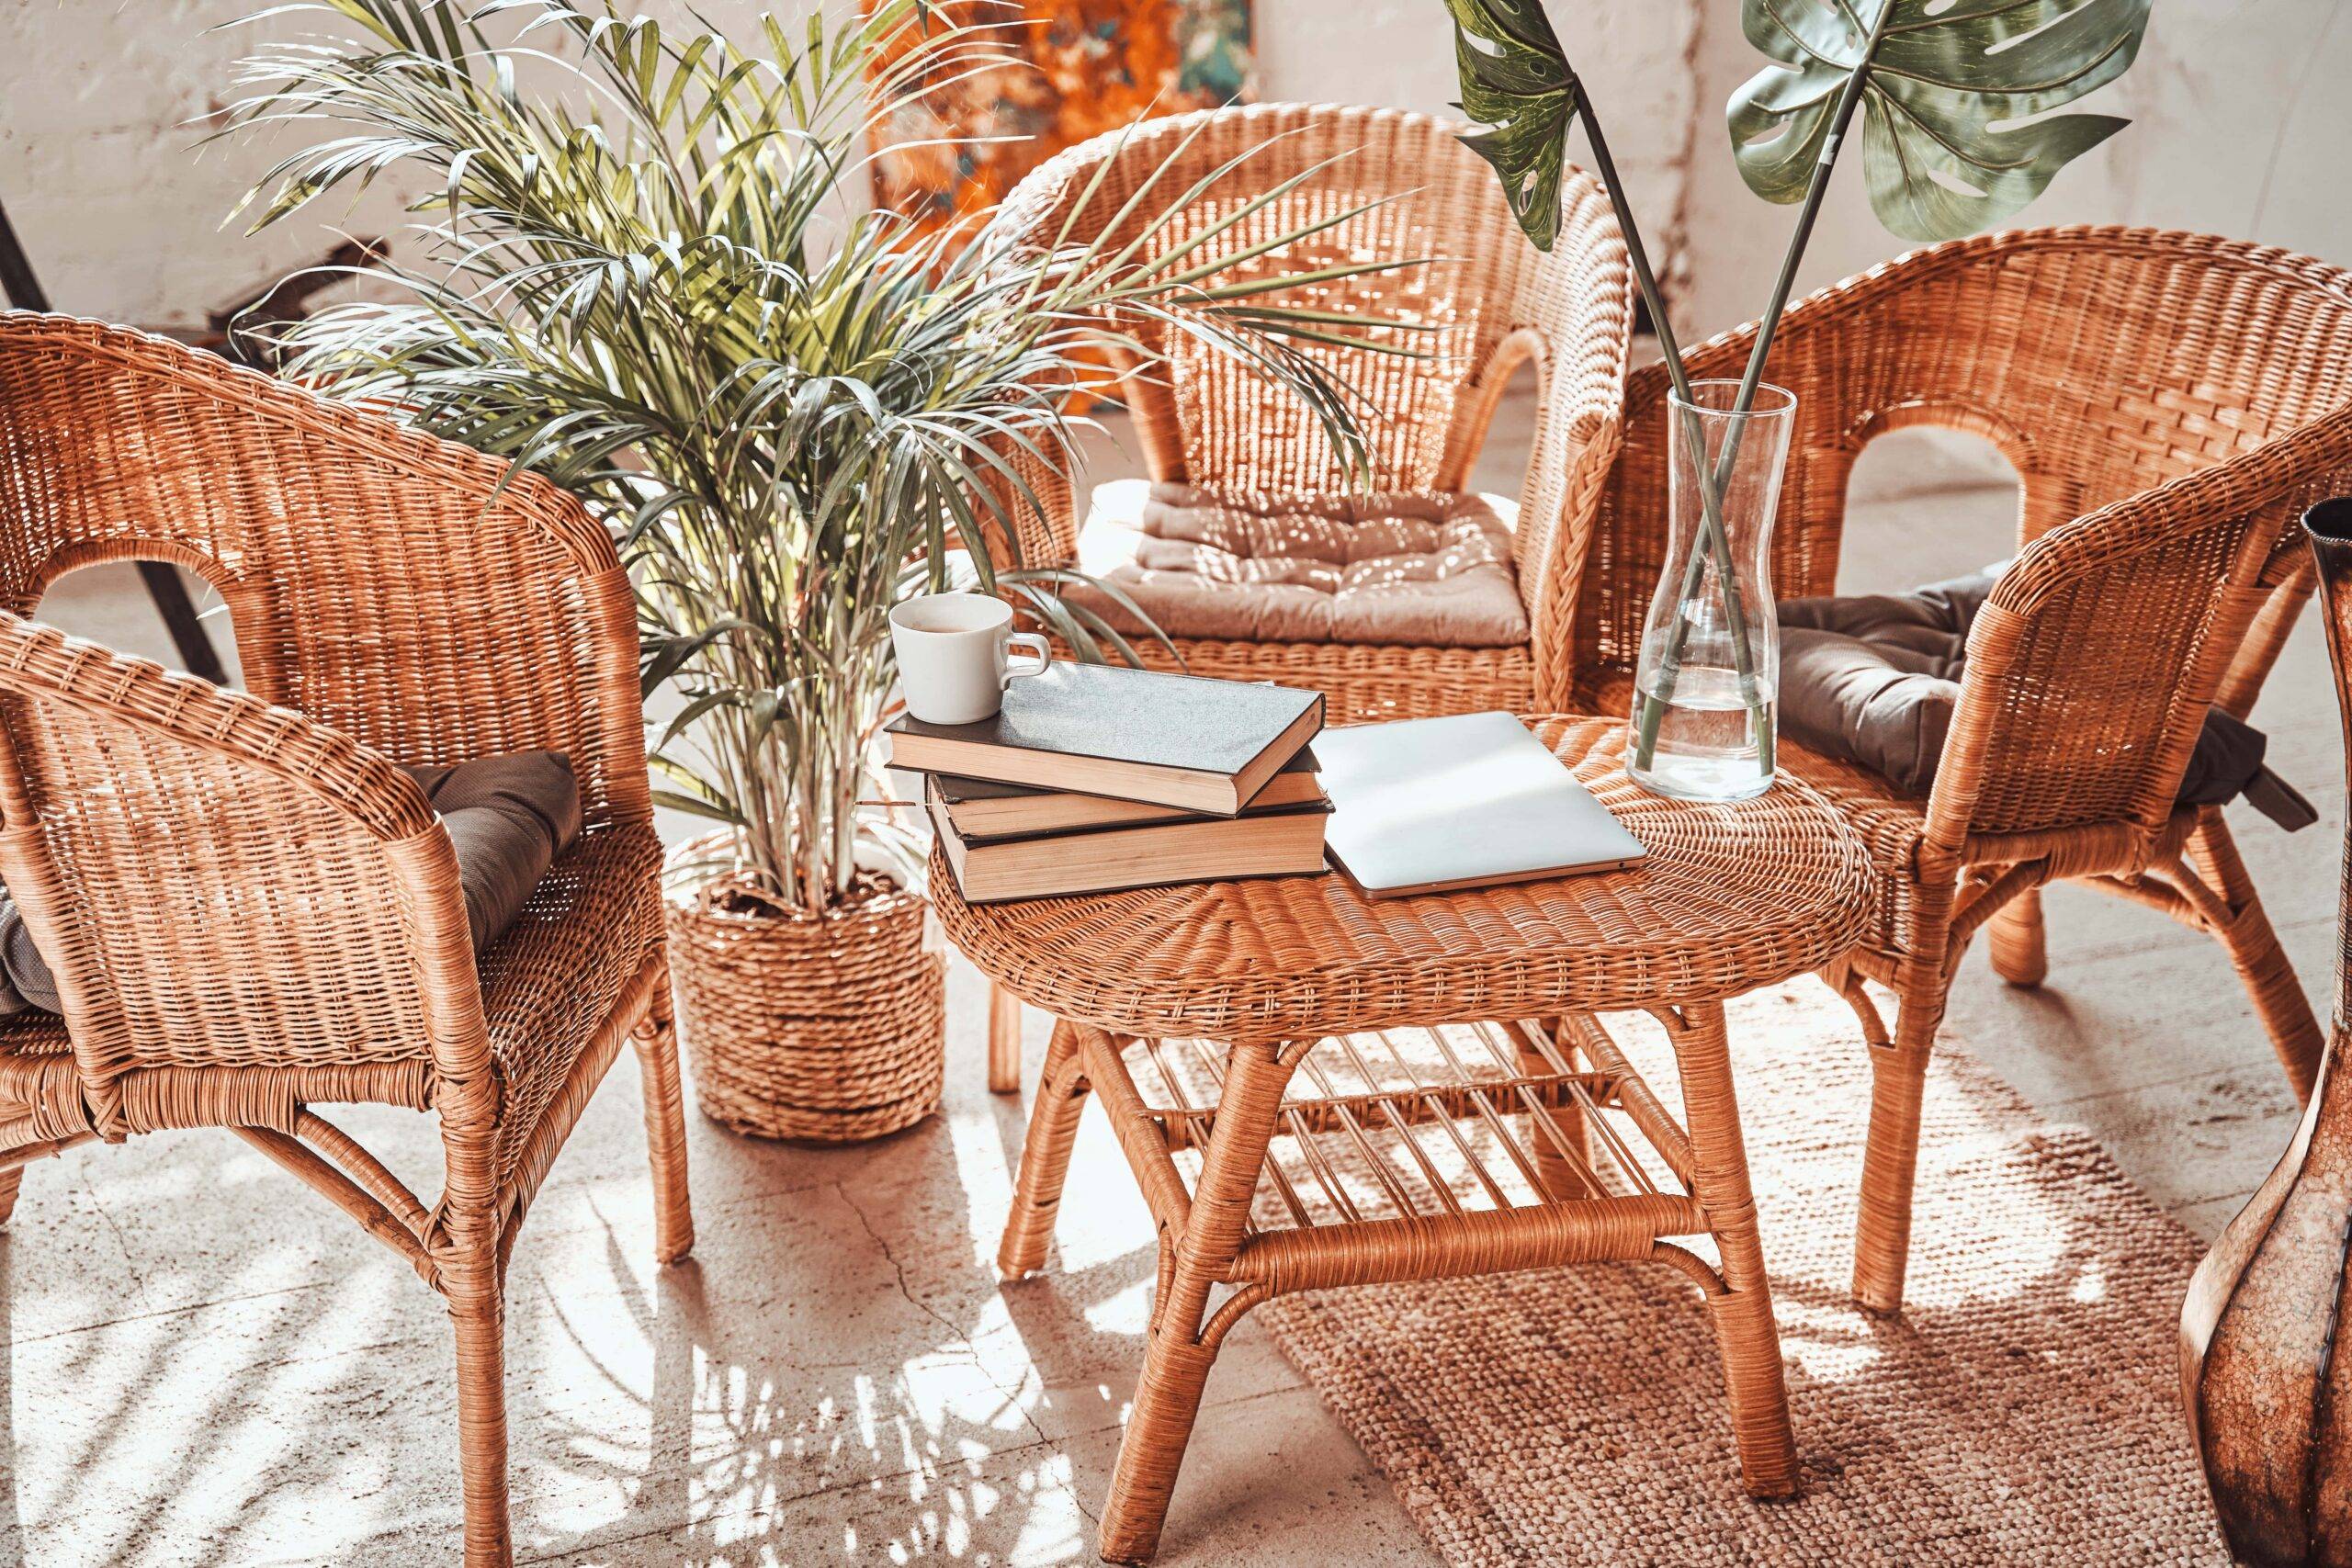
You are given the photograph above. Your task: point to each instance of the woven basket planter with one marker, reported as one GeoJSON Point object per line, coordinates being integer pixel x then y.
{"type": "Point", "coordinates": [828, 1028]}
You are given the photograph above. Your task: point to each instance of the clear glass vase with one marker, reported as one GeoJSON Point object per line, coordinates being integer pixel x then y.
{"type": "Point", "coordinates": [1706, 686]}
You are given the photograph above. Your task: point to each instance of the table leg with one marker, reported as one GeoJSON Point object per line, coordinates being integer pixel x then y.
{"type": "Point", "coordinates": [1742, 1314]}
{"type": "Point", "coordinates": [1004, 1040]}
{"type": "Point", "coordinates": [1176, 1366]}
{"type": "Point", "coordinates": [1561, 1172]}
{"type": "Point", "coordinates": [1062, 1089]}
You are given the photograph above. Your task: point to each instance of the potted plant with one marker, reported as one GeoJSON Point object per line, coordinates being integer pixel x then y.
{"type": "Point", "coordinates": [648, 287]}
{"type": "Point", "coordinates": [1955, 97]}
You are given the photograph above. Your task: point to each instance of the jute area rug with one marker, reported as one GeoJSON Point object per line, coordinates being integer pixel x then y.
{"type": "Point", "coordinates": [2025, 1409]}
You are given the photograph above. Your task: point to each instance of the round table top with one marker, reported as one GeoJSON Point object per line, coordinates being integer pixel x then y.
{"type": "Point", "coordinates": [1731, 898]}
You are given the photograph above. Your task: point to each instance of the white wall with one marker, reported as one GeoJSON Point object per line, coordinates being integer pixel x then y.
{"type": "Point", "coordinates": [2244, 129]}
{"type": "Point", "coordinates": [102, 101]}
{"type": "Point", "coordinates": [2241, 127]}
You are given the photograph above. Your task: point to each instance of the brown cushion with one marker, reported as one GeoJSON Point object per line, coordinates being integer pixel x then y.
{"type": "Point", "coordinates": [1874, 678]}
{"type": "Point", "coordinates": [1430, 568]}
{"type": "Point", "coordinates": [507, 817]}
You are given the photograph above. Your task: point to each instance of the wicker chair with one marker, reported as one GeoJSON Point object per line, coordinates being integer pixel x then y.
{"type": "Point", "coordinates": [2171, 402]}
{"type": "Point", "coordinates": [1202, 419]}
{"type": "Point", "coordinates": [250, 910]}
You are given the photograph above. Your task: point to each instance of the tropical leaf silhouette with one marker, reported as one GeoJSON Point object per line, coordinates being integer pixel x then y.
{"type": "Point", "coordinates": [1522, 88]}
{"type": "Point", "coordinates": [1953, 134]}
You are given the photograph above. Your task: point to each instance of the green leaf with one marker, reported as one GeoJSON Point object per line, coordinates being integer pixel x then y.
{"type": "Point", "coordinates": [1957, 133]}
{"type": "Point", "coordinates": [1521, 86]}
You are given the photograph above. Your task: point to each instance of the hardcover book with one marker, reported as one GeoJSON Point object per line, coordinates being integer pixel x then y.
{"type": "Point", "coordinates": [1471, 800]}
{"type": "Point", "coordinates": [1280, 841]}
{"type": "Point", "coordinates": [1181, 740]}
{"type": "Point", "coordinates": [986, 808]}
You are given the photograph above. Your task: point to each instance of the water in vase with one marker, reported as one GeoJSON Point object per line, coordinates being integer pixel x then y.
{"type": "Point", "coordinates": [1708, 744]}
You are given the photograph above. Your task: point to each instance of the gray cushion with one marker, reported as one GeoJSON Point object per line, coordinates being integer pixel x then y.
{"type": "Point", "coordinates": [1873, 678]}
{"type": "Point", "coordinates": [507, 817]}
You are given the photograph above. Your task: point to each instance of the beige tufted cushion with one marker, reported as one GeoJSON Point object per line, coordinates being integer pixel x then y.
{"type": "Point", "coordinates": [1428, 569]}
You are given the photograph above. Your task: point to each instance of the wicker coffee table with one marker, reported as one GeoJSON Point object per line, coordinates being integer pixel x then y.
{"type": "Point", "coordinates": [1316, 1089]}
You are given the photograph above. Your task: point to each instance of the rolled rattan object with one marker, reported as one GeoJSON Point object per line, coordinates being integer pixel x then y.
{"type": "Point", "coordinates": [829, 1028]}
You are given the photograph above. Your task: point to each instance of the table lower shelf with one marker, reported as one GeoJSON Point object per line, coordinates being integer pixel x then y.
{"type": "Point", "coordinates": [1416, 1154]}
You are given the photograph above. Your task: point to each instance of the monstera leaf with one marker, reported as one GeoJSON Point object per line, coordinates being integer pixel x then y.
{"type": "Point", "coordinates": [1523, 88]}
{"type": "Point", "coordinates": [1943, 151]}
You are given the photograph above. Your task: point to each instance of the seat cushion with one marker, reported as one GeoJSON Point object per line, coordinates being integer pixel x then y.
{"type": "Point", "coordinates": [1430, 568]}
{"type": "Point", "coordinates": [1874, 679]}
{"type": "Point", "coordinates": [508, 818]}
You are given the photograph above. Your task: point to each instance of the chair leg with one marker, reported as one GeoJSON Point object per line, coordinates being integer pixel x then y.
{"type": "Point", "coordinates": [11, 1183]}
{"type": "Point", "coordinates": [1004, 1040]}
{"type": "Point", "coordinates": [2270, 981]}
{"type": "Point", "coordinates": [479, 1313]}
{"type": "Point", "coordinates": [1749, 1340]}
{"type": "Point", "coordinates": [1176, 1367]}
{"type": "Point", "coordinates": [1565, 1153]}
{"type": "Point", "coordinates": [656, 1038]}
{"type": "Point", "coordinates": [2020, 949]}
{"type": "Point", "coordinates": [1045, 1156]}
{"type": "Point", "coordinates": [1891, 1159]}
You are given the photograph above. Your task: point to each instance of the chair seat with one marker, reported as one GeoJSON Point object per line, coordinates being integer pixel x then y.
{"type": "Point", "coordinates": [1424, 570]}
{"type": "Point", "coordinates": [557, 974]}
{"type": "Point", "coordinates": [548, 987]}
{"type": "Point", "coordinates": [1891, 823]}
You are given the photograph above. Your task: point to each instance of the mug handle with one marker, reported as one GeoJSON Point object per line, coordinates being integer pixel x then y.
{"type": "Point", "coordinates": [1030, 643]}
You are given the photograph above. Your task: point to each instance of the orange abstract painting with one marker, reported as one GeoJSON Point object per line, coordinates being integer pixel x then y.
{"type": "Point", "coordinates": [1078, 68]}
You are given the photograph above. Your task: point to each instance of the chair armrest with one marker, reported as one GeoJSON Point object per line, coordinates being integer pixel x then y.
{"type": "Point", "coordinates": [2095, 659]}
{"type": "Point", "coordinates": [420, 597]}
{"type": "Point", "coordinates": [1577, 306]}
{"type": "Point", "coordinates": [222, 882]}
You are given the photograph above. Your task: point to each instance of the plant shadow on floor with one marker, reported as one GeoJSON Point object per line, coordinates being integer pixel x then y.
{"type": "Point", "coordinates": [836, 1376]}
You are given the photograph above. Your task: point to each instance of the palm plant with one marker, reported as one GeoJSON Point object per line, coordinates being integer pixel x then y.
{"type": "Point", "coordinates": [649, 289]}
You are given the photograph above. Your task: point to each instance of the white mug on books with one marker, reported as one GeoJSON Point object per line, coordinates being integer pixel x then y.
{"type": "Point", "coordinates": [956, 655]}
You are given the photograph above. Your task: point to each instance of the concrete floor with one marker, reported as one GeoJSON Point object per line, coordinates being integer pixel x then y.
{"type": "Point", "coordinates": [207, 1366]}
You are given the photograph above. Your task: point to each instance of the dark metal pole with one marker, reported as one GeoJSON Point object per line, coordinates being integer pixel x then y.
{"type": "Point", "coordinates": [164, 584]}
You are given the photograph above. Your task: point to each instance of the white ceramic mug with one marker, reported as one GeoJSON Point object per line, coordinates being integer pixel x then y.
{"type": "Point", "coordinates": [956, 655]}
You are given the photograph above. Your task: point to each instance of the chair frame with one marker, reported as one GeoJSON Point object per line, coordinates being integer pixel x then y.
{"type": "Point", "coordinates": [1202, 419]}
{"type": "Point", "coordinates": [2159, 574]}
{"type": "Point", "coordinates": [342, 967]}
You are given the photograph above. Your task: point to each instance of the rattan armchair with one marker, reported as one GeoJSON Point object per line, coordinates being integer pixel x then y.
{"type": "Point", "coordinates": [250, 911]}
{"type": "Point", "coordinates": [2171, 403]}
{"type": "Point", "coordinates": [1201, 418]}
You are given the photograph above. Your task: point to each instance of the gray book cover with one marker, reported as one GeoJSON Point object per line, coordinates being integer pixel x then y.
{"type": "Point", "coordinates": [1135, 717]}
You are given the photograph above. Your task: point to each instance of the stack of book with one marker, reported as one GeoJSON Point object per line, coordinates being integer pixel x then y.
{"type": "Point", "coordinates": [1094, 778]}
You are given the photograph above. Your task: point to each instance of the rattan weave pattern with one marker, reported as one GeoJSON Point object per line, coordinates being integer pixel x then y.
{"type": "Point", "coordinates": [1770, 886]}
{"type": "Point", "coordinates": [1499, 304]}
{"type": "Point", "coordinates": [829, 1028]}
{"type": "Point", "coordinates": [1495, 303]}
{"type": "Point", "coordinates": [1302, 977]}
{"type": "Point", "coordinates": [248, 909]}
{"type": "Point", "coordinates": [2171, 403]}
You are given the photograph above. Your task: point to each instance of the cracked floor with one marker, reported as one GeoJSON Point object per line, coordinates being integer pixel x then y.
{"type": "Point", "coordinates": [207, 1366]}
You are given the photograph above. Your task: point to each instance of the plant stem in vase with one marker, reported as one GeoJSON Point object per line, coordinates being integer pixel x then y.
{"type": "Point", "coordinates": [1708, 669]}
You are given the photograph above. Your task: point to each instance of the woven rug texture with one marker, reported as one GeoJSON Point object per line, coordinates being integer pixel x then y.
{"type": "Point", "coordinates": [2025, 1409]}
